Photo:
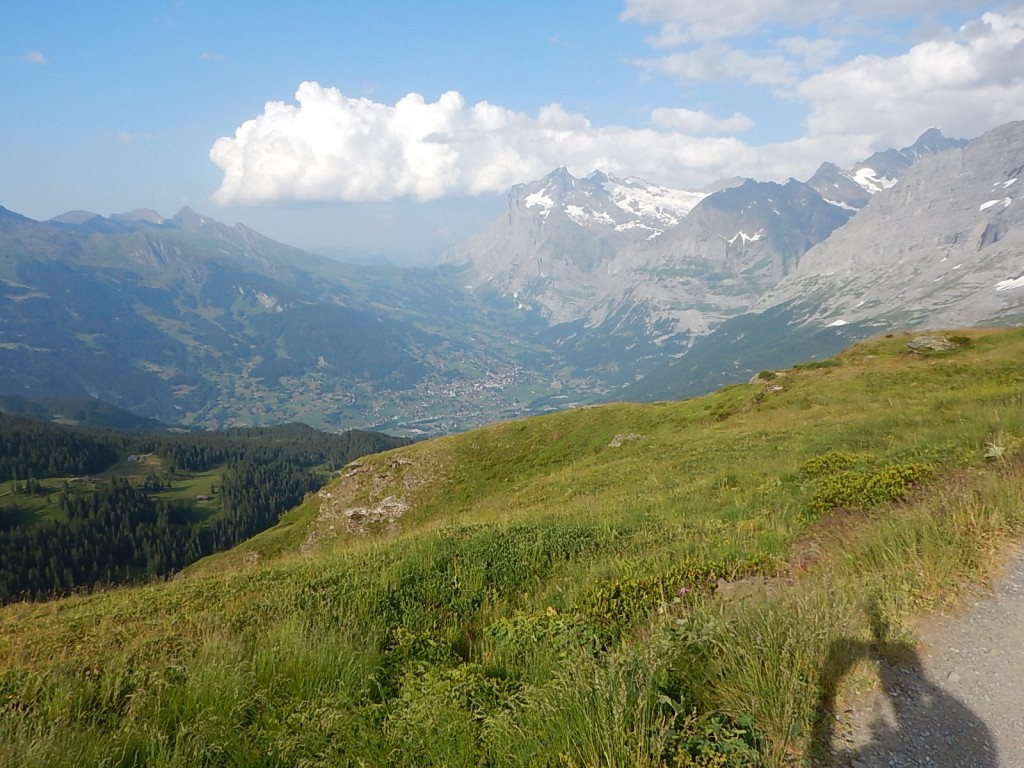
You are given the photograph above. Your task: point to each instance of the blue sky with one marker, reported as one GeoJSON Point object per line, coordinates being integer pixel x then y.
{"type": "Point", "coordinates": [397, 126]}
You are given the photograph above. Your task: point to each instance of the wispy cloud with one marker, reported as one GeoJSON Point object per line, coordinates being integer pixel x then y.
{"type": "Point", "coordinates": [35, 57]}
{"type": "Point", "coordinates": [694, 21]}
{"type": "Point", "coordinates": [716, 62]}
{"type": "Point", "coordinates": [769, 42]}
{"type": "Point", "coordinates": [212, 56]}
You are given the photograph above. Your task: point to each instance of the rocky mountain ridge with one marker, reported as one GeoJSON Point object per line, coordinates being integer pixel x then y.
{"type": "Point", "coordinates": [600, 256]}
{"type": "Point", "coordinates": [944, 247]}
{"type": "Point", "coordinates": [852, 188]}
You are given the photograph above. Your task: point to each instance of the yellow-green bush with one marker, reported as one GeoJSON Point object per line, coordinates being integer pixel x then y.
{"type": "Point", "coordinates": [862, 490]}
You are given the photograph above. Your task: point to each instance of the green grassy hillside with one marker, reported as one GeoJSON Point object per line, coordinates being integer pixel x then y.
{"type": "Point", "coordinates": [626, 585]}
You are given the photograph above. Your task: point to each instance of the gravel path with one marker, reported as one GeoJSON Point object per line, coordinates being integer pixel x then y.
{"type": "Point", "coordinates": [957, 700]}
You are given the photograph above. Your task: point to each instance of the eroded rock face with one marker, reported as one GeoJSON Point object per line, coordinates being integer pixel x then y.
{"type": "Point", "coordinates": [387, 511]}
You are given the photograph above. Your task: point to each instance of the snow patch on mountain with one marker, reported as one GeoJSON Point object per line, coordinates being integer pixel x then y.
{"type": "Point", "coordinates": [540, 199]}
{"type": "Point", "coordinates": [601, 201]}
{"type": "Point", "coordinates": [650, 201]}
{"type": "Point", "coordinates": [1005, 202]}
{"type": "Point", "coordinates": [637, 224]}
{"type": "Point", "coordinates": [1005, 285]}
{"type": "Point", "coordinates": [584, 216]}
{"type": "Point", "coordinates": [841, 204]}
{"type": "Point", "coordinates": [745, 238]}
{"type": "Point", "coordinates": [868, 179]}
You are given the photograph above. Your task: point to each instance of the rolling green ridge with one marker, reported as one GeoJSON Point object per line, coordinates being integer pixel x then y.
{"type": "Point", "coordinates": [672, 584]}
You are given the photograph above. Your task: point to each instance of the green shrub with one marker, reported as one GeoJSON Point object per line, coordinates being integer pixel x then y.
{"type": "Point", "coordinates": [521, 635]}
{"type": "Point", "coordinates": [831, 462]}
{"type": "Point", "coordinates": [863, 490]}
{"type": "Point", "coordinates": [439, 714]}
{"type": "Point", "coordinates": [720, 742]}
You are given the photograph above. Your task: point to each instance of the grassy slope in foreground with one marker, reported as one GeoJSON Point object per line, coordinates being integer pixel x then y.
{"type": "Point", "coordinates": [555, 591]}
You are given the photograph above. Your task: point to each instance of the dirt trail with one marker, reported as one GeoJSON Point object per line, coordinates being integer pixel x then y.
{"type": "Point", "coordinates": [957, 700]}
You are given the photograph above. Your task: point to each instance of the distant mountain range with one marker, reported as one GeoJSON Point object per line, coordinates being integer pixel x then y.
{"type": "Point", "coordinates": [853, 188]}
{"type": "Point", "coordinates": [627, 274]}
{"type": "Point", "coordinates": [942, 248]}
{"type": "Point", "coordinates": [584, 288]}
{"type": "Point", "coordinates": [194, 322]}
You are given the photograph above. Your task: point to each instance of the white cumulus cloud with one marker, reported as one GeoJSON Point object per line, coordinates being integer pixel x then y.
{"type": "Point", "coordinates": [35, 57]}
{"type": "Point", "coordinates": [964, 82]}
{"type": "Point", "coordinates": [328, 146]}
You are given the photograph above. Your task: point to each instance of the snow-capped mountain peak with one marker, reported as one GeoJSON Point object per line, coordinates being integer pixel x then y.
{"type": "Point", "coordinates": [603, 201]}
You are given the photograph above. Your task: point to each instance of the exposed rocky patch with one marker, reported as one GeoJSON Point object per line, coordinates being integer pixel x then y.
{"type": "Point", "coordinates": [619, 440]}
{"type": "Point", "coordinates": [366, 497]}
{"type": "Point", "coordinates": [931, 344]}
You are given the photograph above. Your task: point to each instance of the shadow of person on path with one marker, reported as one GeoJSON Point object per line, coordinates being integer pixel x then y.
{"type": "Point", "coordinates": [915, 722]}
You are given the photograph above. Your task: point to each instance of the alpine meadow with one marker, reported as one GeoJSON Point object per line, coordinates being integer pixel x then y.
{"type": "Point", "coordinates": [627, 585]}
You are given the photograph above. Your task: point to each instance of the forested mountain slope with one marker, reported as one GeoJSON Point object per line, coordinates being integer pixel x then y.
{"type": "Point", "coordinates": [83, 508]}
